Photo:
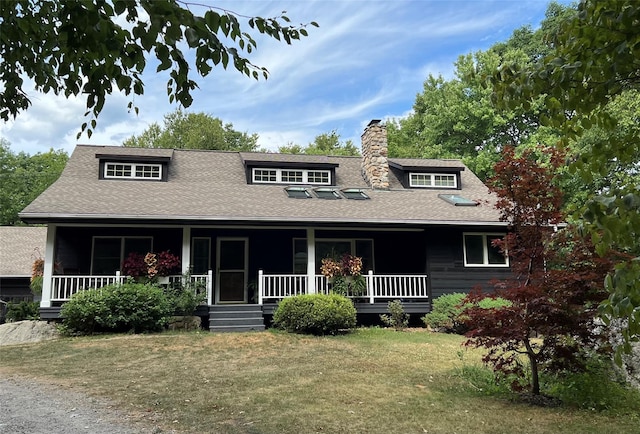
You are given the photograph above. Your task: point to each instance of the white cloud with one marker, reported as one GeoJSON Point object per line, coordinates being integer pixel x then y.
{"type": "Point", "coordinates": [367, 60]}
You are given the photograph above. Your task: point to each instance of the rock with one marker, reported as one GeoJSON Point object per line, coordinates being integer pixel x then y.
{"type": "Point", "coordinates": [186, 323]}
{"type": "Point", "coordinates": [21, 332]}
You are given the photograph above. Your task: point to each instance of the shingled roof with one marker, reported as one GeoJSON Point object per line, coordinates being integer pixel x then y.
{"type": "Point", "coordinates": [210, 187]}
{"type": "Point", "coordinates": [19, 247]}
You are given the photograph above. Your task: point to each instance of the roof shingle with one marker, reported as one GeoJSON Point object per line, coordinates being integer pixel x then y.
{"type": "Point", "coordinates": [211, 186]}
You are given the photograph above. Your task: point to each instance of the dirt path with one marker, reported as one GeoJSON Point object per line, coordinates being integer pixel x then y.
{"type": "Point", "coordinates": [30, 407]}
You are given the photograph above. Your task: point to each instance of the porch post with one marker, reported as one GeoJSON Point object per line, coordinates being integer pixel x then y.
{"type": "Point", "coordinates": [260, 287]}
{"type": "Point", "coordinates": [311, 261]}
{"type": "Point", "coordinates": [370, 288]}
{"type": "Point", "coordinates": [186, 249]}
{"type": "Point", "coordinates": [47, 274]}
{"type": "Point", "coordinates": [210, 287]}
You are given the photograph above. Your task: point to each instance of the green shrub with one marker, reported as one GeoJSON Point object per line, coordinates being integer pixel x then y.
{"type": "Point", "coordinates": [185, 297]}
{"type": "Point", "coordinates": [136, 307]}
{"type": "Point", "coordinates": [446, 312]}
{"type": "Point", "coordinates": [396, 318]}
{"type": "Point", "coordinates": [24, 310]}
{"type": "Point", "coordinates": [599, 388]}
{"type": "Point", "coordinates": [316, 314]}
{"type": "Point", "coordinates": [128, 307]}
{"type": "Point", "coordinates": [85, 313]}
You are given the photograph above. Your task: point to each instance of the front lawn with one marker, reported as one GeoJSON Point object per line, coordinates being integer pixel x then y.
{"type": "Point", "coordinates": [370, 381]}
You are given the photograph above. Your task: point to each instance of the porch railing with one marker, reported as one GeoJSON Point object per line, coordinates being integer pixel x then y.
{"type": "Point", "coordinates": [64, 287]}
{"type": "Point", "coordinates": [273, 287]}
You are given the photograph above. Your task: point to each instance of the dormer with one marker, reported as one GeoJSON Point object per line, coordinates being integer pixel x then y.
{"type": "Point", "coordinates": [428, 174]}
{"type": "Point", "coordinates": [289, 169]}
{"type": "Point", "coordinates": [134, 166]}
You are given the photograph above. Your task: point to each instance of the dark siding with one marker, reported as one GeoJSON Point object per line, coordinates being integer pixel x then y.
{"type": "Point", "coordinates": [15, 289]}
{"type": "Point", "coordinates": [445, 258]}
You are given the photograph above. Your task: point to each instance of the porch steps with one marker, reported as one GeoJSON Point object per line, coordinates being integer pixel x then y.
{"type": "Point", "coordinates": [236, 318]}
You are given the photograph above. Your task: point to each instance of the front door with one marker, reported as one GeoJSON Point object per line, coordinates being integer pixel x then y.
{"type": "Point", "coordinates": [231, 266]}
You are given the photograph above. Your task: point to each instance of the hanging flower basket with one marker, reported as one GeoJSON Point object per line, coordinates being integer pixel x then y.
{"type": "Point", "coordinates": [153, 267]}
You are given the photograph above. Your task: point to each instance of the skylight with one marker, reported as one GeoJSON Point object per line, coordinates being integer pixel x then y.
{"type": "Point", "coordinates": [297, 193]}
{"type": "Point", "coordinates": [326, 193]}
{"type": "Point", "coordinates": [354, 193]}
{"type": "Point", "coordinates": [457, 200]}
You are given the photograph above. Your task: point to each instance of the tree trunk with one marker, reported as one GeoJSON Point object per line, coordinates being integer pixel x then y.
{"type": "Point", "coordinates": [533, 362]}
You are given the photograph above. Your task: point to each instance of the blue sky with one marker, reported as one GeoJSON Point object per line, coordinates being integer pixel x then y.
{"type": "Point", "coordinates": [367, 60]}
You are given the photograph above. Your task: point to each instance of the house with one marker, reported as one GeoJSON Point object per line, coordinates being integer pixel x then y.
{"type": "Point", "coordinates": [255, 226]}
{"type": "Point", "coordinates": [20, 246]}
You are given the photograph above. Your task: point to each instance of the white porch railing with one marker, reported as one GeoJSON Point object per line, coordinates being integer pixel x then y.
{"type": "Point", "coordinates": [378, 286]}
{"type": "Point", "coordinates": [64, 287]}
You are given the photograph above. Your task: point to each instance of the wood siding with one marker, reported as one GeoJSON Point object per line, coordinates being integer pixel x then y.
{"type": "Point", "coordinates": [445, 262]}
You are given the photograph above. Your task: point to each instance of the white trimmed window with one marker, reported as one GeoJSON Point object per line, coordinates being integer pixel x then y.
{"type": "Point", "coordinates": [442, 180]}
{"type": "Point", "coordinates": [132, 171]}
{"type": "Point", "coordinates": [109, 252]}
{"type": "Point", "coordinates": [479, 251]}
{"type": "Point", "coordinates": [291, 176]}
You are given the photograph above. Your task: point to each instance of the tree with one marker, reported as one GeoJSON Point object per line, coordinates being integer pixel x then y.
{"type": "Point", "coordinates": [323, 144]}
{"type": "Point", "coordinates": [456, 118]}
{"type": "Point", "coordinates": [96, 47]}
{"type": "Point", "coordinates": [24, 177]}
{"type": "Point", "coordinates": [183, 130]}
{"type": "Point", "coordinates": [595, 62]}
{"type": "Point", "coordinates": [557, 278]}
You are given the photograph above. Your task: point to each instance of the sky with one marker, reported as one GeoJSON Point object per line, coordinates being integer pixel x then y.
{"type": "Point", "coordinates": [367, 60]}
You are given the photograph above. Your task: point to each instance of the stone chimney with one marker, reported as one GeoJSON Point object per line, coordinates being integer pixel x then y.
{"type": "Point", "coordinates": [375, 167]}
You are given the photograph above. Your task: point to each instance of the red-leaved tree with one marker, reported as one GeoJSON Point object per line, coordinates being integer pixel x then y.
{"type": "Point", "coordinates": [557, 279]}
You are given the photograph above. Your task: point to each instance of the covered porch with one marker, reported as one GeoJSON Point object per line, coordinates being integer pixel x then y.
{"type": "Point", "coordinates": [240, 265]}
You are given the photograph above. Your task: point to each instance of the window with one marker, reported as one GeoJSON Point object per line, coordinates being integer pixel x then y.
{"type": "Point", "coordinates": [110, 252]}
{"type": "Point", "coordinates": [200, 255]}
{"type": "Point", "coordinates": [289, 176]}
{"type": "Point", "coordinates": [264, 175]}
{"type": "Point", "coordinates": [297, 193]}
{"type": "Point", "coordinates": [457, 200]}
{"type": "Point", "coordinates": [333, 248]}
{"type": "Point", "coordinates": [479, 251]}
{"type": "Point", "coordinates": [326, 193]}
{"type": "Point", "coordinates": [133, 171]}
{"type": "Point", "coordinates": [355, 194]}
{"type": "Point", "coordinates": [318, 177]}
{"type": "Point", "coordinates": [441, 180]}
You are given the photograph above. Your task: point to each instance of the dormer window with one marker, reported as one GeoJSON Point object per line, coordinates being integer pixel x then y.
{"type": "Point", "coordinates": [433, 180]}
{"type": "Point", "coordinates": [135, 166]}
{"type": "Point", "coordinates": [291, 176]}
{"type": "Point", "coordinates": [133, 170]}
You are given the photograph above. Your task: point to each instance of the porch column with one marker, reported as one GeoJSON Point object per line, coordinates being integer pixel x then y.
{"type": "Point", "coordinates": [311, 260]}
{"type": "Point", "coordinates": [47, 274]}
{"type": "Point", "coordinates": [186, 250]}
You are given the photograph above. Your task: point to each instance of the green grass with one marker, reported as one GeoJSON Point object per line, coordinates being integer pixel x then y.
{"type": "Point", "coordinates": [370, 381]}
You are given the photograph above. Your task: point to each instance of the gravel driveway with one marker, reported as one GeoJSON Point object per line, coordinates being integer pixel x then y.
{"type": "Point", "coordinates": [30, 407]}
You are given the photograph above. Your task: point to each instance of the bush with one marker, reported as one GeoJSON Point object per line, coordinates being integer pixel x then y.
{"type": "Point", "coordinates": [446, 312]}
{"type": "Point", "coordinates": [397, 318]}
{"type": "Point", "coordinates": [186, 297]}
{"type": "Point", "coordinates": [128, 307]}
{"type": "Point", "coordinates": [599, 388]}
{"type": "Point", "coordinates": [24, 310]}
{"type": "Point", "coordinates": [85, 313]}
{"type": "Point", "coordinates": [316, 314]}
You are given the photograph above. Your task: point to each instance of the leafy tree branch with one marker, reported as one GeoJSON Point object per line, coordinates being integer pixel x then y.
{"type": "Point", "coordinates": [76, 47]}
